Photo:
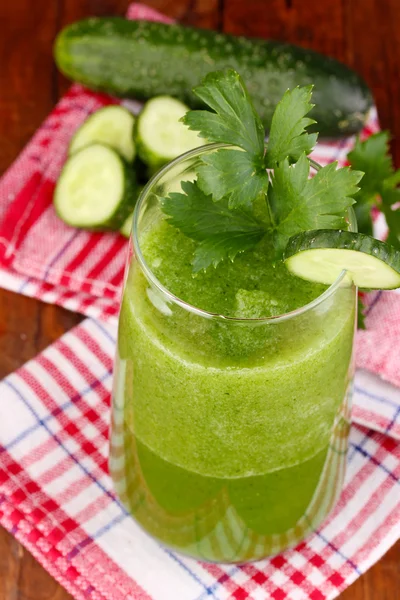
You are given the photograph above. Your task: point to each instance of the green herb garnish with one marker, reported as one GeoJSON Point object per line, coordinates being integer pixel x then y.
{"type": "Point", "coordinates": [288, 137]}
{"type": "Point", "coordinates": [218, 210]}
{"type": "Point", "coordinates": [361, 313]}
{"type": "Point", "coordinates": [237, 175]}
{"type": "Point", "coordinates": [221, 231]}
{"type": "Point", "coordinates": [299, 203]}
{"type": "Point", "coordinates": [378, 188]}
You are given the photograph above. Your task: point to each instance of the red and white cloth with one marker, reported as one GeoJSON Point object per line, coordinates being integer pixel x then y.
{"type": "Point", "coordinates": [56, 496]}
{"type": "Point", "coordinates": [55, 492]}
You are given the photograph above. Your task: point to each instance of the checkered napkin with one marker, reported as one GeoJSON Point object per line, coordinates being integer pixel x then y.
{"type": "Point", "coordinates": [56, 496]}
{"type": "Point", "coordinates": [42, 257]}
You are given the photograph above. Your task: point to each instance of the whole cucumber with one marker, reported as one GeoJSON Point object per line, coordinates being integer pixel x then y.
{"type": "Point", "coordinates": [142, 59]}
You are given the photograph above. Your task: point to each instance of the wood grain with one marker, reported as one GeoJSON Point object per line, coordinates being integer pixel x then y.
{"type": "Point", "coordinates": [373, 48]}
{"type": "Point", "coordinates": [381, 582]}
{"type": "Point", "coordinates": [11, 553]}
{"type": "Point", "coordinates": [290, 20]}
{"type": "Point", "coordinates": [363, 33]}
{"type": "Point", "coordinates": [26, 73]}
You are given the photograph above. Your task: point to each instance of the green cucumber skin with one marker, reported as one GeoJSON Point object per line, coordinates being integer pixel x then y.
{"type": "Point", "coordinates": [143, 59]}
{"type": "Point", "coordinates": [344, 240]}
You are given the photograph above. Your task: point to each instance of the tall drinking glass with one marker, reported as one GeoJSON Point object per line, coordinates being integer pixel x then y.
{"type": "Point", "coordinates": [229, 435]}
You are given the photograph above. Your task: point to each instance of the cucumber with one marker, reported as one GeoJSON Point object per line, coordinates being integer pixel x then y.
{"type": "Point", "coordinates": [96, 189]}
{"type": "Point", "coordinates": [126, 228]}
{"type": "Point", "coordinates": [141, 59]}
{"type": "Point", "coordinates": [322, 255]}
{"type": "Point", "coordinates": [160, 135]}
{"type": "Point", "coordinates": [112, 125]}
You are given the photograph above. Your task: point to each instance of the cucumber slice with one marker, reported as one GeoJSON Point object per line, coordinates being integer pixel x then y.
{"type": "Point", "coordinates": [126, 228]}
{"type": "Point", "coordinates": [96, 189]}
{"type": "Point", "coordinates": [160, 135]}
{"type": "Point", "coordinates": [321, 256]}
{"type": "Point", "coordinates": [111, 125]}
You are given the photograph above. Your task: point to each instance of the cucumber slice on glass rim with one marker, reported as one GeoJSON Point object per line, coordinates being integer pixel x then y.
{"type": "Point", "coordinates": [321, 255]}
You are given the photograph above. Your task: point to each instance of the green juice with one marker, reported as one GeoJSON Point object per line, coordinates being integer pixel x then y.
{"type": "Point", "coordinates": [229, 436]}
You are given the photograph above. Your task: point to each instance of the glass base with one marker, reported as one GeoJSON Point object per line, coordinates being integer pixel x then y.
{"type": "Point", "coordinates": [227, 521]}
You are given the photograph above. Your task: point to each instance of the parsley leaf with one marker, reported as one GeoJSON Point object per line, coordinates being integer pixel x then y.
{"type": "Point", "coordinates": [221, 209]}
{"type": "Point", "coordinates": [287, 137]}
{"type": "Point", "coordinates": [372, 157]}
{"type": "Point", "coordinates": [392, 216]}
{"type": "Point", "coordinates": [234, 121]}
{"type": "Point", "coordinates": [300, 204]}
{"type": "Point", "coordinates": [231, 173]}
{"type": "Point", "coordinates": [221, 231]}
{"type": "Point", "coordinates": [363, 215]}
{"type": "Point", "coordinates": [378, 186]}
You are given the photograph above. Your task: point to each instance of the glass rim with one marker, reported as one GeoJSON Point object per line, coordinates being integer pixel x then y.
{"type": "Point", "coordinates": [186, 305]}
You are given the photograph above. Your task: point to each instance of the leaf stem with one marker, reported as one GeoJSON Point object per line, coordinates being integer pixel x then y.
{"type": "Point", "coordinates": [393, 180]}
{"type": "Point", "coordinates": [271, 216]}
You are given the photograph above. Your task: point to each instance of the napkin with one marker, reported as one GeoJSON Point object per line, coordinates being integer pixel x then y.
{"type": "Point", "coordinates": [57, 499]}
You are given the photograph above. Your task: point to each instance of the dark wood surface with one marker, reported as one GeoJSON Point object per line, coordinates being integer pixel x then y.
{"type": "Point", "coordinates": [363, 33]}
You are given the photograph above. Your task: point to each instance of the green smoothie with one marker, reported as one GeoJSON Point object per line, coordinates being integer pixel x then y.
{"type": "Point", "coordinates": [229, 436]}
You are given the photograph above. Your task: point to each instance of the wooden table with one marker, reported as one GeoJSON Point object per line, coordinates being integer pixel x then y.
{"type": "Point", "coordinates": [363, 33]}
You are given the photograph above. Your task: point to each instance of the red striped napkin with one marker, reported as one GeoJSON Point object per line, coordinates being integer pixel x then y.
{"type": "Point", "coordinates": [56, 496]}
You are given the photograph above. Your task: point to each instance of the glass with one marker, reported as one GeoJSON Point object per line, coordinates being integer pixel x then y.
{"type": "Point", "coordinates": [229, 436]}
